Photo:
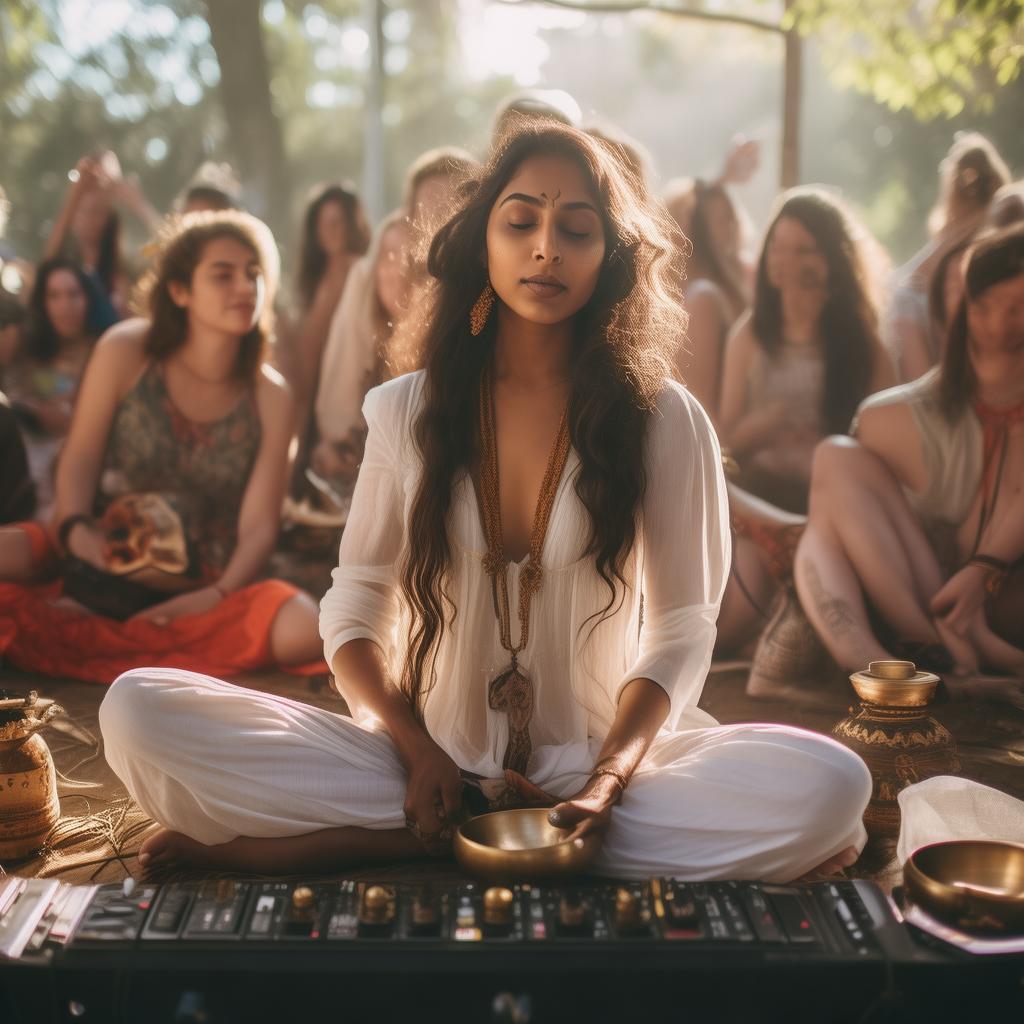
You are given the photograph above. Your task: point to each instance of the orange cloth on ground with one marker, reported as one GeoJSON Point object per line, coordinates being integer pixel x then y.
{"type": "Point", "coordinates": [233, 637]}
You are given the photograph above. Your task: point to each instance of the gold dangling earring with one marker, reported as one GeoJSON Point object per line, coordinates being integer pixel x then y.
{"type": "Point", "coordinates": [481, 311]}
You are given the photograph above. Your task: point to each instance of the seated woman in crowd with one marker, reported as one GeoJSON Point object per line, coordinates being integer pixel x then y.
{"type": "Point", "coordinates": [545, 455]}
{"type": "Point", "coordinates": [356, 356]}
{"type": "Point", "coordinates": [800, 363]}
{"type": "Point", "coordinates": [370, 337]}
{"type": "Point", "coordinates": [43, 377]}
{"type": "Point", "coordinates": [969, 176]}
{"type": "Point", "coordinates": [170, 485]}
{"type": "Point", "coordinates": [335, 233]}
{"type": "Point", "coordinates": [716, 290]}
{"type": "Point", "coordinates": [922, 512]}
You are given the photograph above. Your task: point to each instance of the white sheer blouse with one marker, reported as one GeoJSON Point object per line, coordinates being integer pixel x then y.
{"type": "Point", "coordinates": [578, 661]}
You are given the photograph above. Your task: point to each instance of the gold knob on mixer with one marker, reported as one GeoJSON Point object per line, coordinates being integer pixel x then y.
{"type": "Point", "coordinates": [376, 903]}
{"type": "Point", "coordinates": [572, 911]}
{"type": "Point", "coordinates": [627, 909]}
{"type": "Point", "coordinates": [303, 898]}
{"type": "Point", "coordinates": [498, 903]}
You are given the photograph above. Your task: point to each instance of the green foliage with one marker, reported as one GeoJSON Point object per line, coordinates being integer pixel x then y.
{"type": "Point", "coordinates": [937, 58]}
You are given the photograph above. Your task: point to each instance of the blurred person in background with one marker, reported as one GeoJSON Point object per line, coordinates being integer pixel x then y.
{"type": "Point", "coordinates": [44, 374]}
{"type": "Point", "coordinates": [717, 289]}
{"type": "Point", "coordinates": [808, 353]}
{"type": "Point", "coordinates": [214, 187]}
{"type": "Point", "coordinates": [970, 175]}
{"type": "Point", "coordinates": [88, 229]}
{"type": "Point", "coordinates": [357, 355]}
{"type": "Point", "coordinates": [335, 233]}
{"type": "Point", "coordinates": [170, 486]}
{"type": "Point", "coordinates": [915, 542]}
{"type": "Point", "coordinates": [17, 491]}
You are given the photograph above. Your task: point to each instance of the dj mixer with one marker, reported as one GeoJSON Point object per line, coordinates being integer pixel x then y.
{"type": "Point", "coordinates": [231, 950]}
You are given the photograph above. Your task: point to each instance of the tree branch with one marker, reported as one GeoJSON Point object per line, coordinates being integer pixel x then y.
{"type": "Point", "coordinates": [627, 7]}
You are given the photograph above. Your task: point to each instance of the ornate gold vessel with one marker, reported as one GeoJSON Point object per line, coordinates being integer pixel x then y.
{"type": "Point", "coordinates": [29, 807]}
{"type": "Point", "coordinates": [896, 737]}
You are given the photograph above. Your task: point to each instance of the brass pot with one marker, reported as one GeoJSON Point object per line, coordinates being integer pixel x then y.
{"type": "Point", "coordinates": [896, 737]}
{"type": "Point", "coordinates": [29, 807]}
{"type": "Point", "coordinates": [973, 885]}
{"type": "Point", "coordinates": [521, 846]}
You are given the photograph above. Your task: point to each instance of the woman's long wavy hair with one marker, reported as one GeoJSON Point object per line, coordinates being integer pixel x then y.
{"type": "Point", "coordinates": [178, 252]}
{"type": "Point", "coordinates": [848, 325]}
{"type": "Point", "coordinates": [625, 337]}
{"type": "Point", "coordinates": [42, 343]}
{"type": "Point", "coordinates": [995, 257]}
{"type": "Point", "coordinates": [312, 258]}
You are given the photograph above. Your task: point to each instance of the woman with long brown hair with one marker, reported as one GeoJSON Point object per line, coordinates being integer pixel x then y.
{"type": "Point", "coordinates": [335, 233]}
{"type": "Point", "coordinates": [809, 353]}
{"type": "Point", "coordinates": [523, 497]}
{"type": "Point", "coordinates": [920, 516]}
{"type": "Point", "coordinates": [170, 484]}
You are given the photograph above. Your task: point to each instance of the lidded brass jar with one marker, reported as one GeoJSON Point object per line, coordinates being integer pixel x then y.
{"type": "Point", "coordinates": [900, 742]}
{"type": "Point", "coordinates": [29, 807]}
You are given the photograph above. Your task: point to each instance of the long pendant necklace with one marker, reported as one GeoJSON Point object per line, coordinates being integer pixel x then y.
{"type": "Point", "coordinates": [512, 690]}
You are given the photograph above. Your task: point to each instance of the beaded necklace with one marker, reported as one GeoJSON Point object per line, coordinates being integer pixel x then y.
{"type": "Point", "coordinates": [512, 690]}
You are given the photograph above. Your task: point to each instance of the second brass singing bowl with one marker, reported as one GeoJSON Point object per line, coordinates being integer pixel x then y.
{"type": "Point", "coordinates": [521, 846]}
{"type": "Point", "coordinates": [974, 885]}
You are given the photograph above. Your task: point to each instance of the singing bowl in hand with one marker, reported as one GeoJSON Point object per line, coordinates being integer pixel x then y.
{"type": "Point", "coordinates": [976, 886]}
{"type": "Point", "coordinates": [521, 846]}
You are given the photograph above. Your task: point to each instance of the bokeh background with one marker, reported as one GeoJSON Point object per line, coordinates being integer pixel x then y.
{"type": "Point", "coordinates": [280, 88]}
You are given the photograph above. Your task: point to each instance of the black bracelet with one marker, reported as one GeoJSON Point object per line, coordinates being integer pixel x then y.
{"type": "Point", "coordinates": [989, 562]}
{"type": "Point", "coordinates": [67, 524]}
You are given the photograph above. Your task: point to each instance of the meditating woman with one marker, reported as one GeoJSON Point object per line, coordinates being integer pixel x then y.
{"type": "Point", "coordinates": [922, 511]}
{"type": "Point", "coordinates": [335, 233]}
{"type": "Point", "coordinates": [799, 365]}
{"type": "Point", "coordinates": [47, 367]}
{"type": "Point", "coordinates": [170, 485]}
{"type": "Point", "coordinates": [517, 497]}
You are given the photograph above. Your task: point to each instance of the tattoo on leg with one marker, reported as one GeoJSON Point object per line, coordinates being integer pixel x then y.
{"type": "Point", "coordinates": [838, 614]}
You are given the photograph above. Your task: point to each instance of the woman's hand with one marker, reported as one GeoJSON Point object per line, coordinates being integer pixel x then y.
{"type": "Point", "coordinates": [589, 812]}
{"type": "Point", "coordinates": [961, 599]}
{"type": "Point", "coordinates": [88, 543]}
{"type": "Point", "coordinates": [194, 602]}
{"type": "Point", "coordinates": [433, 795]}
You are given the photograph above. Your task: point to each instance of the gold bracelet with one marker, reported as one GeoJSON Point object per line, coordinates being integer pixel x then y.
{"type": "Point", "coordinates": [614, 773]}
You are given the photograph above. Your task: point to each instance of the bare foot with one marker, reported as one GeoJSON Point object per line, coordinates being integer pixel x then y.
{"type": "Point", "coordinates": [167, 849]}
{"type": "Point", "coordinates": [979, 686]}
{"type": "Point", "coordinates": [831, 867]}
{"type": "Point", "coordinates": [326, 850]}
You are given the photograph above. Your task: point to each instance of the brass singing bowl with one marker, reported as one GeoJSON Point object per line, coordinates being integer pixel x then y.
{"type": "Point", "coordinates": [521, 846]}
{"type": "Point", "coordinates": [895, 684]}
{"type": "Point", "coordinates": [974, 885]}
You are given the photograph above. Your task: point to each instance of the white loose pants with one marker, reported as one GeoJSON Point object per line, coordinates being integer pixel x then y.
{"type": "Point", "coordinates": [216, 761]}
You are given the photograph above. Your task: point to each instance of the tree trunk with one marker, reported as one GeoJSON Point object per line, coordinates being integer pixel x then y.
{"type": "Point", "coordinates": [254, 130]}
{"type": "Point", "coordinates": [789, 172]}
